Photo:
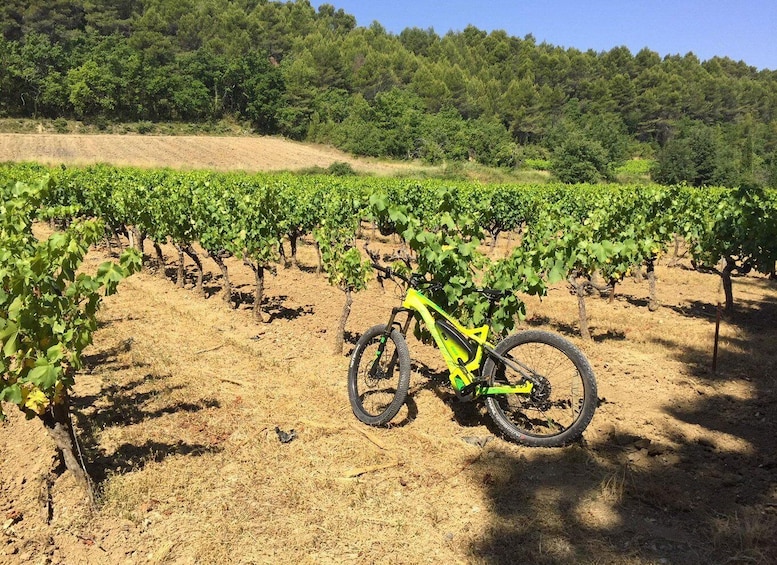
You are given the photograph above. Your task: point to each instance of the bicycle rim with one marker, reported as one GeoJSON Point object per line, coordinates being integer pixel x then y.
{"type": "Point", "coordinates": [564, 396]}
{"type": "Point", "coordinates": [378, 385]}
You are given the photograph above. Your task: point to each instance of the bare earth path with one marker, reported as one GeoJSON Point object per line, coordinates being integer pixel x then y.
{"type": "Point", "coordinates": [178, 403]}
{"type": "Point", "coordinates": [189, 152]}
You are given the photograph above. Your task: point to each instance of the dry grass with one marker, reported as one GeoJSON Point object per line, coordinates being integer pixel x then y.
{"type": "Point", "coordinates": [227, 153]}
{"type": "Point", "coordinates": [178, 409]}
{"type": "Point", "coordinates": [187, 152]}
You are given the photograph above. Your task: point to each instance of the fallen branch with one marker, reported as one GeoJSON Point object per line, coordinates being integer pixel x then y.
{"type": "Point", "coordinates": [208, 350]}
{"type": "Point", "coordinates": [369, 436]}
{"type": "Point", "coordinates": [233, 381]}
{"type": "Point", "coordinates": [353, 473]}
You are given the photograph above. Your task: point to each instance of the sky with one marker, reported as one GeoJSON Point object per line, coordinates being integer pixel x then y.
{"type": "Point", "coordinates": [743, 30]}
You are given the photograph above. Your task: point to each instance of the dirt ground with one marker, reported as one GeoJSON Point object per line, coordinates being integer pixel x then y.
{"type": "Point", "coordinates": [177, 409]}
{"type": "Point", "coordinates": [190, 152]}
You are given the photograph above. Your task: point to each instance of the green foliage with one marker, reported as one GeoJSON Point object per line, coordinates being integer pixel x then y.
{"type": "Point", "coordinates": [288, 68]}
{"type": "Point", "coordinates": [698, 156]}
{"type": "Point", "coordinates": [636, 167]}
{"type": "Point", "coordinates": [60, 125]}
{"type": "Point", "coordinates": [580, 160]}
{"type": "Point", "coordinates": [445, 241]}
{"type": "Point", "coordinates": [336, 235]}
{"type": "Point", "coordinates": [565, 230]}
{"type": "Point", "coordinates": [254, 89]}
{"type": "Point", "coordinates": [538, 164]}
{"type": "Point", "coordinates": [737, 225]}
{"type": "Point", "coordinates": [48, 310]}
{"type": "Point", "coordinates": [340, 169]}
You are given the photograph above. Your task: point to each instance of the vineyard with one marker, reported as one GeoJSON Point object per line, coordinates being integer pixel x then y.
{"type": "Point", "coordinates": [566, 233]}
{"type": "Point", "coordinates": [561, 248]}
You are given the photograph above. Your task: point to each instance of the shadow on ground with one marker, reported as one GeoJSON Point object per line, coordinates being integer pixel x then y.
{"type": "Point", "coordinates": [127, 403]}
{"type": "Point", "coordinates": [627, 499]}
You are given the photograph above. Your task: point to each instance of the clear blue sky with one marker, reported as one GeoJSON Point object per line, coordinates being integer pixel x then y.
{"type": "Point", "coordinates": [739, 29]}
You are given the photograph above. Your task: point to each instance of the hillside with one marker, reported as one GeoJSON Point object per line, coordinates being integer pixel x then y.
{"type": "Point", "coordinates": [184, 152]}
{"type": "Point", "coordinates": [312, 74]}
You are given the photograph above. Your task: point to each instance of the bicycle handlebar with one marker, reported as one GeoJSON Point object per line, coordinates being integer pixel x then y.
{"type": "Point", "coordinates": [388, 272]}
{"type": "Point", "coordinates": [416, 280]}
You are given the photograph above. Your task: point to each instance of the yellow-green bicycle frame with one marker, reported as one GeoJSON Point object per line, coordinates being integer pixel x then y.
{"type": "Point", "coordinates": [462, 348]}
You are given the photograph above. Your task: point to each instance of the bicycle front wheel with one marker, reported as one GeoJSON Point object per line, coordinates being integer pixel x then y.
{"type": "Point", "coordinates": [563, 399]}
{"type": "Point", "coordinates": [378, 376]}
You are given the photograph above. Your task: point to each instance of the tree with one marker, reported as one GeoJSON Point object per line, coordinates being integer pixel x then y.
{"type": "Point", "coordinates": [490, 143]}
{"type": "Point", "coordinates": [675, 163]}
{"type": "Point", "coordinates": [254, 89]}
{"type": "Point", "coordinates": [696, 156]}
{"type": "Point", "coordinates": [579, 159]}
{"type": "Point", "coordinates": [91, 90]}
{"type": "Point", "coordinates": [343, 264]}
{"type": "Point", "coordinates": [737, 228]}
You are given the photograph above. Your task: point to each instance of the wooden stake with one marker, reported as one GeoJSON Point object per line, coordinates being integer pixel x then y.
{"type": "Point", "coordinates": [717, 337]}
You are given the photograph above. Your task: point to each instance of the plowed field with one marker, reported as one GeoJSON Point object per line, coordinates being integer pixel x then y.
{"type": "Point", "coordinates": [189, 152]}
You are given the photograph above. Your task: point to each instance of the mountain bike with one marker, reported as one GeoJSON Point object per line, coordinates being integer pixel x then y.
{"type": "Point", "coordinates": [538, 387]}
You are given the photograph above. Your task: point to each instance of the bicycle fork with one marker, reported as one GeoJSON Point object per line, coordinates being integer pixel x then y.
{"type": "Point", "coordinates": [385, 337]}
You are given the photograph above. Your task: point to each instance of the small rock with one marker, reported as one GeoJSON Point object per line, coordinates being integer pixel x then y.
{"type": "Point", "coordinates": [642, 443]}
{"type": "Point", "coordinates": [285, 437]}
{"type": "Point", "coordinates": [478, 441]}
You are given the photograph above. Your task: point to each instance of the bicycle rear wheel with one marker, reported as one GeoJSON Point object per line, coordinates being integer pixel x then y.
{"type": "Point", "coordinates": [378, 376]}
{"type": "Point", "coordinates": [563, 400]}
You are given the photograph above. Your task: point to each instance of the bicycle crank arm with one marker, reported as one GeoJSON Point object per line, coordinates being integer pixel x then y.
{"type": "Point", "coordinates": [524, 388]}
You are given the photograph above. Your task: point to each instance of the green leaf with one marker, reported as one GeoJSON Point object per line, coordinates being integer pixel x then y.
{"type": "Point", "coordinates": [54, 353]}
{"type": "Point", "coordinates": [11, 346]}
{"type": "Point", "coordinates": [12, 394]}
{"type": "Point", "coordinates": [557, 272]}
{"type": "Point", "coordinates": [44, 375]}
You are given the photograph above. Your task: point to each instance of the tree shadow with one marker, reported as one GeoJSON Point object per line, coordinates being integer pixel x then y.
{"type": "Point", "coordinates": [129, 457]}
{"type": "Point", "coordinates": [569, 330]}
{"type": "Point", "coordinates": [351, 337]}
{"type": "Point", "coordinates": [107, 356]}
{"type": "Point", "coordinates": [126, 404]}
{"type": "Point", "coordinates": [310, 269]}
{"type": "Point", "coordinates": [108, 360]}
{"type": "Point", "coordinates": [703, 492]}
{"type": "Point", "coordinates": [274, 307]}
{"type": "Point", "coordinates": [271, 305]}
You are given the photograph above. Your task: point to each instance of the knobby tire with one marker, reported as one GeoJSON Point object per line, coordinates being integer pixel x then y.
{"type": "Point", "coordinates": [564, 400]}
{"type": "Point", "coordinates": [378, 391]}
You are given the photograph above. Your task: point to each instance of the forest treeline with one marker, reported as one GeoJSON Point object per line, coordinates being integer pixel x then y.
{"type": "Point", "coordinates": [312, 74]}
